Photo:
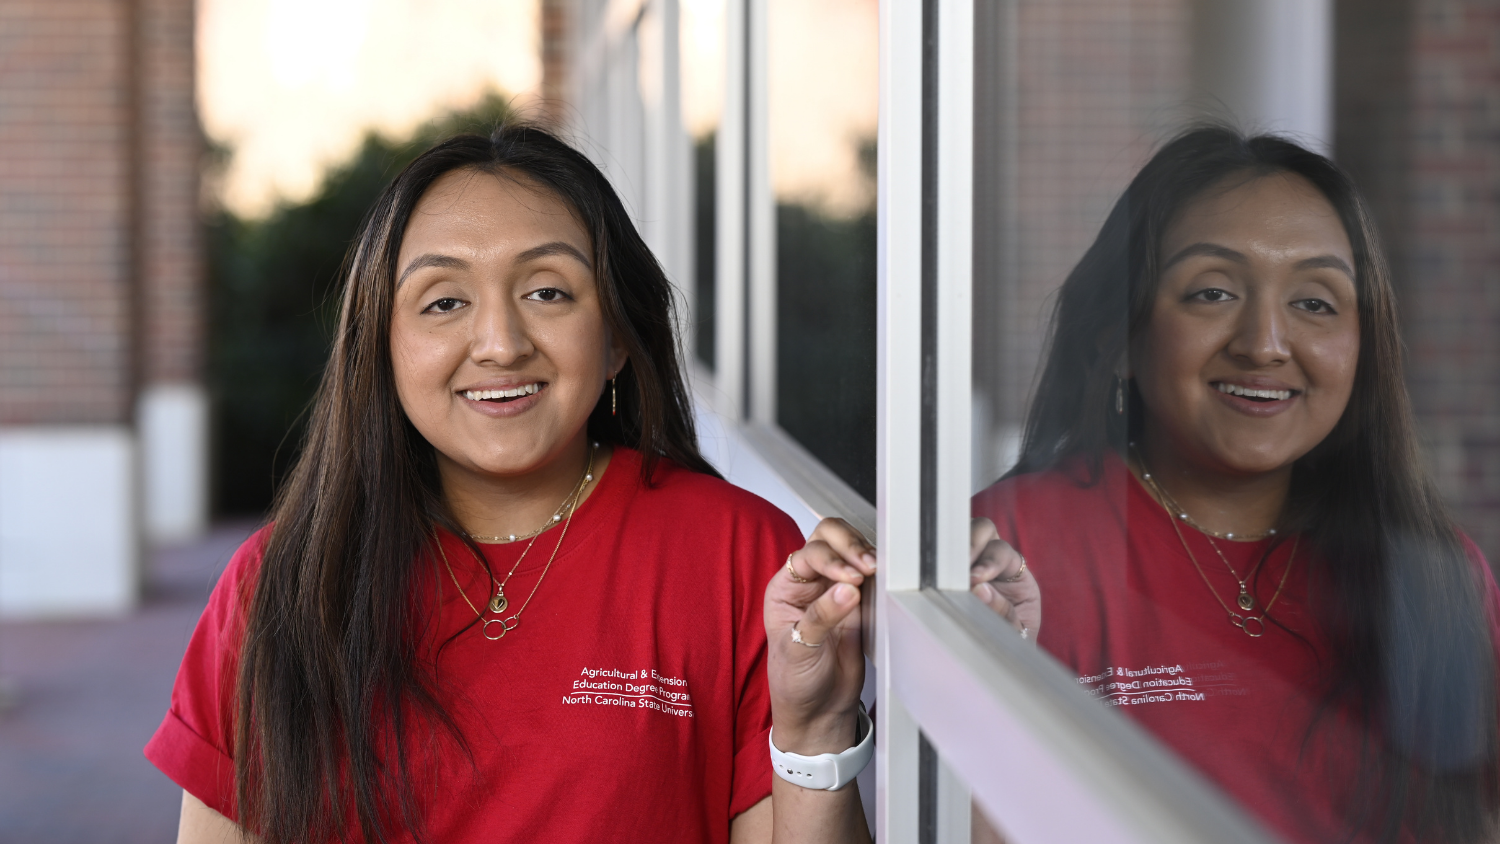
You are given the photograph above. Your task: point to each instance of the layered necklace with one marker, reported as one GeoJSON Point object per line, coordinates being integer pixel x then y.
{"type": "Point", "coordinates": [1247, 620]}
{"type": "Point", "coordinates": [500, 603]}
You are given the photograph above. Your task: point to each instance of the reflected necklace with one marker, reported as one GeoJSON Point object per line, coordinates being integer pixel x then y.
{"type": "Point", "coordinates": [1245, 600]}
{"type": "Point", "coordinates": [499, 603]}
{"type": "Point", "coordinates": [1172, 506]}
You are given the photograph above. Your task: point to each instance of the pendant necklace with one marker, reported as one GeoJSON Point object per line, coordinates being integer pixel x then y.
{"type": "Point", "coordinates": [1244, 600]}
{"type": "Point", "coordinates": [1244, 620]}
{"type": "Point", "coordinates": [499, 603]}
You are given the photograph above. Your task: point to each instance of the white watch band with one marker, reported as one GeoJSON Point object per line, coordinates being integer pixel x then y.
{"type": "Point", "coordinates": [827, 771]}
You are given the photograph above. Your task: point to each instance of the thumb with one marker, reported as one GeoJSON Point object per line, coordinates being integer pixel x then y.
{"type": "Point", "coordinates": [824, 614]}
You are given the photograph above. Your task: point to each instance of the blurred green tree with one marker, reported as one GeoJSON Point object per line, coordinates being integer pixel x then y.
{"type": "Point", "coordinates": [273, 285]}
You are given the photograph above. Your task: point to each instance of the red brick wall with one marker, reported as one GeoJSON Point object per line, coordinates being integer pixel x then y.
{"type": "Point", "coordinates": [65, 280]}
{"type": "Point", "coordinates": [1097, 85]}
{"type": "Point", "coordinates": [99, 241]}
{"type": "Point", "coordinates": [1451, 258]}
{"type": "Point", "coordinates": [171, 155]}
{"type": "Point", "coordinates": [557, 37]}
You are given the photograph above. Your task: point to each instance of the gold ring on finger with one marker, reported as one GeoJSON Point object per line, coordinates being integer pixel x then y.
{"type": "Point", "coordinates": [792, 573]}
{"type": "Point", "coordinates": [1020, 573]}
{"type": "Point", "coordinates": [797, 637]}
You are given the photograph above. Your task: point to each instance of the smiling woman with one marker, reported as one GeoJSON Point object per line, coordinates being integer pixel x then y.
{"type": "Point", "coordinates": [389, 661]}
{"type": "Point", "coordinates": [1221, 498]}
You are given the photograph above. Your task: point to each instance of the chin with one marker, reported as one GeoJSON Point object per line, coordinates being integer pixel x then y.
{"type": "Point", "coordinates": [1258, 461]}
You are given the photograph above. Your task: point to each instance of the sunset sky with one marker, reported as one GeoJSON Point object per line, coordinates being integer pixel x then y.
{"type": "Point", "coordinates": [290, 86]}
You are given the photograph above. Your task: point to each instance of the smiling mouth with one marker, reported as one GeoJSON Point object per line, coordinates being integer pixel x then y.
{"type": "Point", "coordinates": [503, 396]}
{"type": "Point", "coordinates": [1255, 394]}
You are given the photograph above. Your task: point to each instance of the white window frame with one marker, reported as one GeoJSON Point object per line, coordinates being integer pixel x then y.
{"type": "Point", "coordinates": [965, 708]}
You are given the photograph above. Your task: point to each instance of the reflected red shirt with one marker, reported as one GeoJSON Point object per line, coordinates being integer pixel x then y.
{"type": "Point", "coordinates": [1124, 608]}
{"type": "Point", "coordinates": [630, 704]}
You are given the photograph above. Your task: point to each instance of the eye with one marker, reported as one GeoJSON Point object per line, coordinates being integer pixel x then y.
{"type": "Point", "coordinates": [1211, 294]}
{"type": "Point", "coordinates": [1314, 306]}
{"type": "Point", "coordinates": [547, 294]}
{"type": "Point", "coordinates": [445, 305]}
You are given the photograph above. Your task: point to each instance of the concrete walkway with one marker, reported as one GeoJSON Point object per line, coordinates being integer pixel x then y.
{"type": "Point", "coordinates": [85, 698]}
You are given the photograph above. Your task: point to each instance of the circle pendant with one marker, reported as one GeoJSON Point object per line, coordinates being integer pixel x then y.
{"type": "Point", "coordinates": [505, 625]}
{"type": "Point", "coordinates": [1259, 626]}
{"type": "Point", "coordinates": [499, 603]}
{"type": "Point", "coordinates": [1246, 601]}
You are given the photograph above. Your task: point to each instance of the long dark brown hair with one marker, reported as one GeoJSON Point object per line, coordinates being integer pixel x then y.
{"type": "Point", "coordinates": [1398, 599]}
{"type": "Point", "coordinates": [331, 691]}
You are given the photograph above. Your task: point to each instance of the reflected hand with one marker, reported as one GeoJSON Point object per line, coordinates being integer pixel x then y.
{"type": "Point", "coordinates": [815, 684]}
{"type": "Point", "coordinates": [998, 576]}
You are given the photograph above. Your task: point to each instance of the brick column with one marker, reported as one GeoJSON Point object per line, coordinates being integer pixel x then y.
{"type": "Point", "coordinates": [67, 479]}
{"type": "Point", "coordinates": [172, 413]}
{"type": "Point", "coordinates": [1451, 267]}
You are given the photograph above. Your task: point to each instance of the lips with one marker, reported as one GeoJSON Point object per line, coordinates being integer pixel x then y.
{"type": "Point", "coordinates": [1259, 394]}
{"type": "Point", "coordinates": [1261, 399]}
{"type": "Point", "coordinates": [503, 395]}
{"type": "Point", "coordinates": [503, 399]}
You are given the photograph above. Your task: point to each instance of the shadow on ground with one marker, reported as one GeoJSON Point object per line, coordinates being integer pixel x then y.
{"type": "Point", "coordinates": [85, 698]}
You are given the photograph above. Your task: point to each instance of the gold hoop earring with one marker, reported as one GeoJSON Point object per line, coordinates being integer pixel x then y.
{"type": "Point", "coordinates": [614, 399]}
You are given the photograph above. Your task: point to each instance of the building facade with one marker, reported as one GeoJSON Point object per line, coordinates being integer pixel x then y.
{"type": "Point", "coordinates": [103, 417]}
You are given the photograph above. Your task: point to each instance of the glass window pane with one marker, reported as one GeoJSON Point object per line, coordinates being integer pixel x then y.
{"type": "Point", "coordinates": [1249, 529]}
{"type": "Point", "coordinates": [822, 94]}
{"type": "Point", "coordinates": [702, 43]}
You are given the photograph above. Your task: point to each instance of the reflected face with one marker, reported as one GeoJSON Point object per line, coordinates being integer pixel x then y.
{"type": "Point", "coordinates": [498, 342]}
{"type": "Point", "coordinates": [1249, 357]}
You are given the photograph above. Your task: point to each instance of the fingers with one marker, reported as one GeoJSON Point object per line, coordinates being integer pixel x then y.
{"type": "Point", "coordinates": [981, 533]}
{"type": "Point", "coordinates": [826, 614]}
{"type": "Point", "coordinates": [994, 600]}
{"type": "Point", "coordinates": [996, 561]}
{"type": "Point", "coordinates": [840, 555]}
{"type": "Point", "coordinates": [846, 543]}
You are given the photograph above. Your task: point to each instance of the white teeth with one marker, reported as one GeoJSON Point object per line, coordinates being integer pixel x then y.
{"type": "Point", "coordinates": [1236, 390]}
{"type": "Point", "coordinates": [481, 395]}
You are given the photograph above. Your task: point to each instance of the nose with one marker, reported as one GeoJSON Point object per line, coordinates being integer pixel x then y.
{"type": "Point", "coordinates": [1260, 337]}
{"type": "Point", "coordinates": [500, 335]}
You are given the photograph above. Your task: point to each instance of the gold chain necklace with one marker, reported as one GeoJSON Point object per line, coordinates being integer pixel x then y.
{"type": "Point", "coordinates": [1245, 600]}
{"type": "Point", "coordinates": [499, 603]}
{"type": "Point", "coordinates": [1172, 506]}
{"type": "Point", "coordinates": [557, 516]}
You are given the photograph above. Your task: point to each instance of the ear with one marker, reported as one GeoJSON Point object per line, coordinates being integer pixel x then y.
{"type": "Point", "coordinates": [616, 356]}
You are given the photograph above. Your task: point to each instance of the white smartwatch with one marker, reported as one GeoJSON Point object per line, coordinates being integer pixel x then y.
{"type": "Point", "coordinates": [827, 771]}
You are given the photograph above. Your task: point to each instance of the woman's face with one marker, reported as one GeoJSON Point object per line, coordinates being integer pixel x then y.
{"type": "Point", "coordinates": [498, 342]}
{"type": "Point", "coordinates": [1249, 356]}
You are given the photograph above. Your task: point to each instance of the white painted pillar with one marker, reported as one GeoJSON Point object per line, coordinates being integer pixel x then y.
{"type": "Point", "coordinates": [68, 539]}
{"type": "Point", "coordinates": [1268, 64]}
{"type": "Point", "coordinates": [172, 420]}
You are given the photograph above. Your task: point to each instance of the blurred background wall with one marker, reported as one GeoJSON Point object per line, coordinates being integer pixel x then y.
{"type": "Point", "coordinates": [103, 416]}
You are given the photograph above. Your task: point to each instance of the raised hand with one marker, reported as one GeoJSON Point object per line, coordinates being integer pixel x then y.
{"type": "Point", "coordinates": [816, 661]}
{"type": "Point", "coordinates": [998, 575]}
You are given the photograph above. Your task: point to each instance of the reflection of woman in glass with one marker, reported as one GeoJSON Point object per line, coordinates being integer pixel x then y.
{"type": "Point", "coordinates": [1221, 496]}
{"type": "Point", "coordinates": [504, 598]}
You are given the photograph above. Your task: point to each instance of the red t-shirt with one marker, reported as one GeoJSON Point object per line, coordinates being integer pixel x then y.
{"type": "Point", "coordinates": [1125, 609]}
{"type": "Point", "coordinates": [630, 704]}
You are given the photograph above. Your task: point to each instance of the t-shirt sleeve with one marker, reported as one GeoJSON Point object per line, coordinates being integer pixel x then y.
{"type": "Point", "coordinates": [760, 548]}
{"type": "Point", "coordinates": [194, 743]}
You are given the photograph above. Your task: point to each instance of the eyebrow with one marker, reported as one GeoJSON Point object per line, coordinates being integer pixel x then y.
{"type": "Point", "coordinates": [449, 262]}
{"type": "Point", "coordinates": [556, 247]}
{"type": "Point", "coordinates": [1214, 250]}
{"type": "Point", "coordinates": [432, 259]}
